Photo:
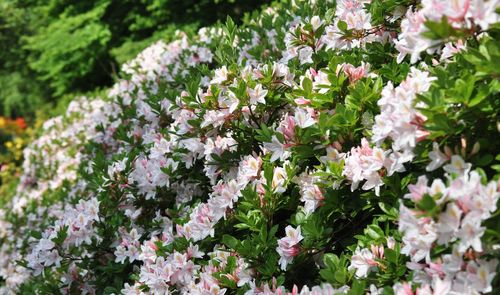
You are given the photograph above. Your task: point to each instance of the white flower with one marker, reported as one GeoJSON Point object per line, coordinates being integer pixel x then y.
{"type": "Point", "coordinates": [132, 290]}
{"type": "Point", "coordinates": [45, 244]}
{"type": "Point", "coordinates": [417, 190]}
{"type": "Point", "coordinates": [470, 232]}
{"type": "Point", "coordinates": [312, 198]}
{"type": "Point", "coordinates": [448, 224]}
{"type": "Point", "coordinates": [257, 95]}
{"type": "Point", "coordinates": [374, 290]}
{"type": "Point", "coordinates": [279, 179]}
{"type": "Point", "coordinates": [362, 261]}
{"type": "Point", "coordinates": [441, 286]}
{"type": "Point", "coordinates": [288, 246]}
{"type": "Point", "coordinates": [220, 75]}
{"type": "Point", "coordinates": [332, 155]}
{"type": "Point", "coordinates": [303, 118]}
{"type": "Point", "coordinates": [482, 276]}
{"type": "Point", "coordinates": [293, 235]}
{"type": "Point", "coordinates": [438, 188]}
{"type": "Point", "coordinates": [452, 263]}
{"type": "Point", "coordinates": [230, 101]}
{"type": "Point", "coordinates": [316, 22]}
{"type": "Point", "coordinates": [250, 167]}
{"type": "Point", "coordinates": [52, 258]}
{"type": "Point", "coordinates": [305, 55]}
{"type": "Point", "coordinates": [132, 253]}
{"type": "Point", "coordinates": [277, 149]}
{"type": "Point", "coordinates": [437, 158]}
{"type": "Point", "coordinates": [419, 234]}
{"type": "Point", "coordinates": [457, 165]}
{"type": "Point", "coordinates": [120, 254]}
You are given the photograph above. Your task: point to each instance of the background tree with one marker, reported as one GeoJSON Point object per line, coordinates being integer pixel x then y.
{"type": "Point", "coordinates": [54, 48]}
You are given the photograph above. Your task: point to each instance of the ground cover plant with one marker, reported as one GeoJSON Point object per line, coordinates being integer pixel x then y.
{"type": "Point", "coordinates": [322, 147]}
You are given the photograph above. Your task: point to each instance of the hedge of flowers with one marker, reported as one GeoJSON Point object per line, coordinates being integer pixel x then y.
{"type": "Point", "coordinates": [319, 148]}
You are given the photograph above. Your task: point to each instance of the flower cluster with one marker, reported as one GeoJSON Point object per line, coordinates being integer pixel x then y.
{"type": "Point", "coordinates": [229, 161]}
{"type": "Point", "coordinates": [288, 247]}
{"type": "Point", "coordinates": [467, 16]}
{"type": "Point", "coordinates": [352, 27]}
{"type": "Point", "coordinates": [399, 118]}
{"type": "Point", "coordinates": [364, 260]}
{"type": "Point", "coordinates": [457, 210]}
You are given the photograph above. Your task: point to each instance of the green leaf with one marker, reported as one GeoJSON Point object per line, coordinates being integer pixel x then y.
{"type": "Point", "coordinates": [427, 203]}
{"type": "Point", "coordinates": [331, 261]}
{"type": "Point", "coordinates": [391, 255]}
{"type": "Point", "coordinates": [440, 122]}
{"type": "Point", "coordinates": [340, 276]}
{"type": "Point", "coordinates": [484, 160]}
{"type": "Point", "coordinates": [36, 234]}
{"type": "Point", "coordinates": [342, 25]}
{"type": "Point", "coordinates": [374, 232]}
{"type": "Point", "coordinates": [230, 241]}
{"type": "Point", "coordinates": [357, 288]}
{"type": "Point", "coordinates": [327, 275]}
{"type": "Point", "coordinates": [438, 30]}
{"type": "Point", "coordinates": [307, 86]}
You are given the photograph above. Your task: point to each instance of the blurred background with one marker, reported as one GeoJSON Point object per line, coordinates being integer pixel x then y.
{"type": "Point", "coordinates": [54, 50]}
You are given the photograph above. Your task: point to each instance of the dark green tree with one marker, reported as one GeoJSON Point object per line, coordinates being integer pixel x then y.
{"type": "Point", "coordinates": [60, 47]}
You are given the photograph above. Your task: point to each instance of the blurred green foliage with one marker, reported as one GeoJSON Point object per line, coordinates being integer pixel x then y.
{"type": "Point", "coordinates": [49, 49]}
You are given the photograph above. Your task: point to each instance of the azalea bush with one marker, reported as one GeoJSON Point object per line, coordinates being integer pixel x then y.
{"type": "Point", "coordinates": [319, 148]}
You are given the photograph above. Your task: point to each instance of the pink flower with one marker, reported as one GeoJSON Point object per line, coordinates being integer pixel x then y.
{"type": "Point", "coordinates": [279, 179]}
{"type": "Point", "coordinates": [277, 149]}
{"type": "Point", "coordinates": [287, 127]}
{"type": "Point", "coordinates": [288, 246]}
{"type": "Point", "coordinates": [312, 198]}
{"type": "Point", "coordinates": [354, 73]}
{"type": "Point", "coordinates": [250, 167]}
{"type": "Point", "coordinates": [220, 76]}
{"type": "Point", "coordinates": [417, 190]}
{"type": "Point", "coordinates": [302, 101]}
{"type": "Point", "coordinates": [362, 261]}
{"type": "Point", "coordinates": [403, 289]}
{"type": "Point", "coordinates": [364, 163]}
{"type": "Point", "coordinates": [304, 117]}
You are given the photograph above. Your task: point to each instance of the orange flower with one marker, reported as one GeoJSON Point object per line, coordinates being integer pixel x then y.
{"type": "Point", "coordinates": [21, 123]}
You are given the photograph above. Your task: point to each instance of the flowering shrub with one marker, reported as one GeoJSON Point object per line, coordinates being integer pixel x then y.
{"type": "Point", "coordinates": [317, 149]}
{"type": "Point", "coordinates": [12, 132]}
{"type": "Point", "coordinates": [14, 136]}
